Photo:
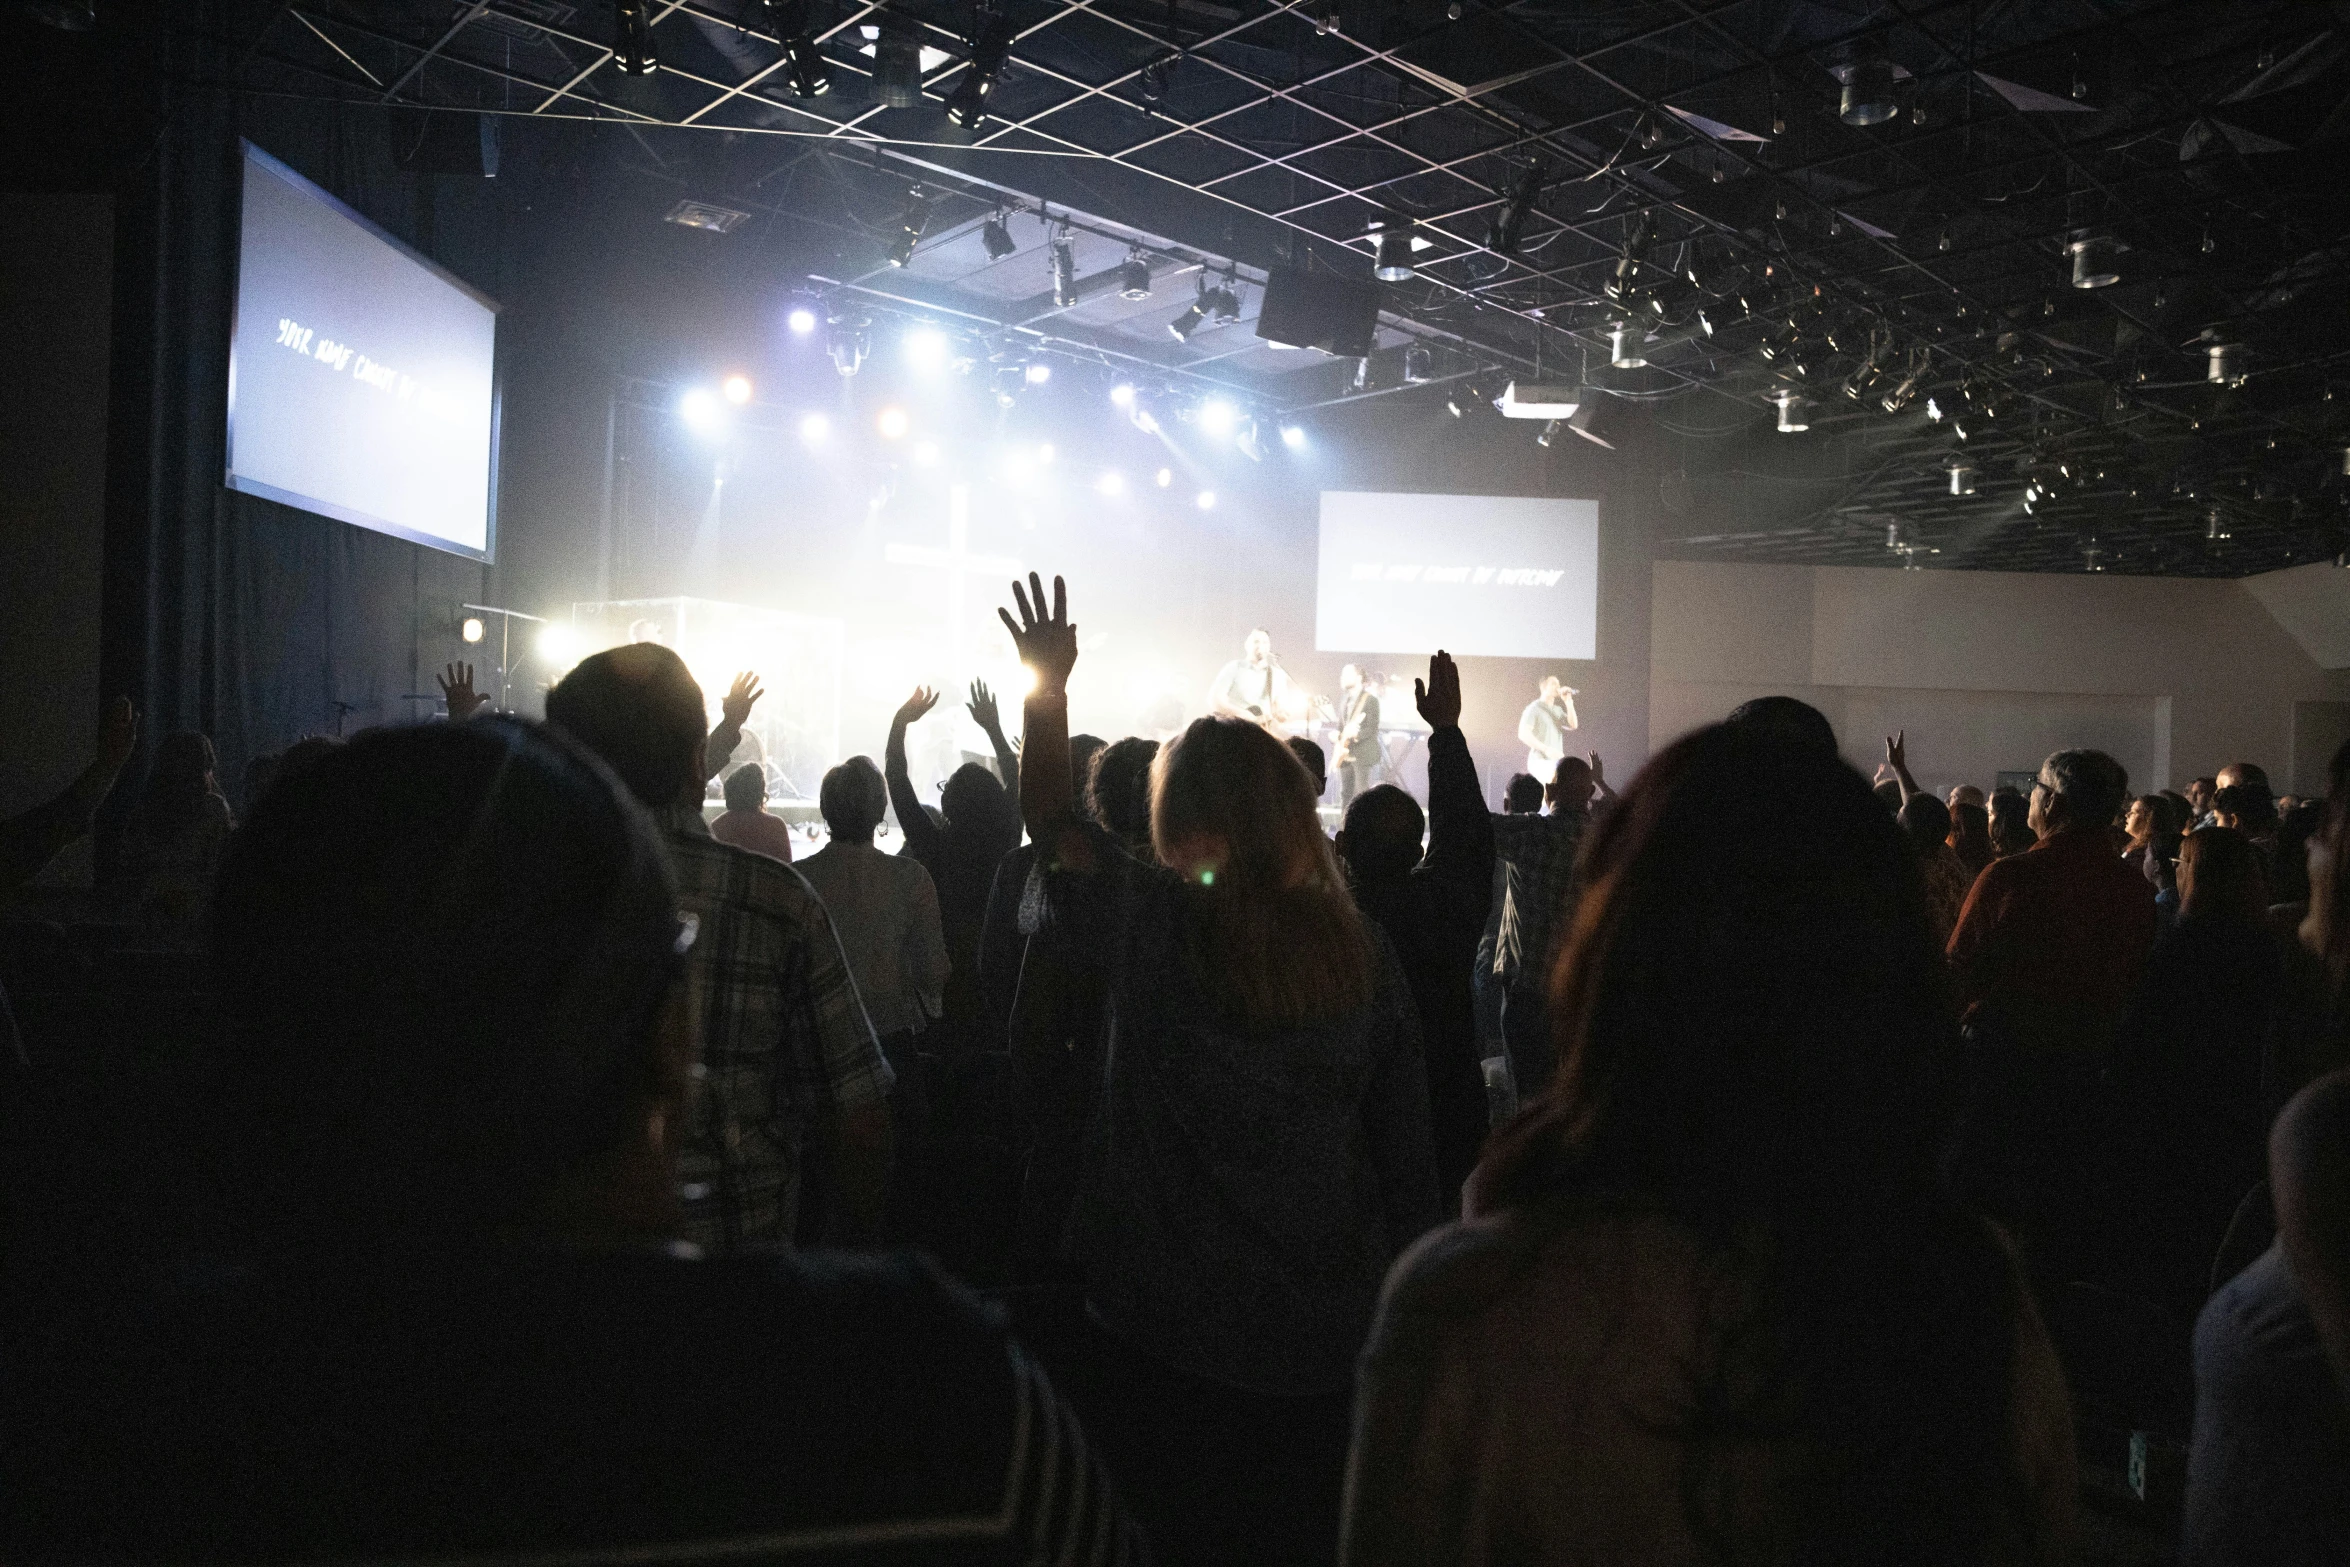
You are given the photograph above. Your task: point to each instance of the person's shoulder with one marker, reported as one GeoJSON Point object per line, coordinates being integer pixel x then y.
{"type": "Point", "coordinates": [1455, 1274]}
{"type": "Point", "coordinates": [743, 877]}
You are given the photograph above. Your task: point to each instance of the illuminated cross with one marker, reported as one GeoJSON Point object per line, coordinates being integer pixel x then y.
{"type": "Point", "coordinates": [961, 565]}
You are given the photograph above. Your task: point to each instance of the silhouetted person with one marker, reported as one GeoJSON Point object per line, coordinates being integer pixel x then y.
{"type": "Point", "coordinates": [1432, 906]}
{"type": "Point", "coordinates": [1261, 1149]}
{"type": "Point", "coordinates": [745, 822]}
{"type": "Point", "coordinates": [2011, 823]}
{"type": "Point", "coordinates": [1537, 855]}
{"type": "Point", "coordinates": [1118, 792]}
{"type": "Point", "coordinates": [788, 1062]}
{"type": "Point", "coordinates": [1970, 838]}
{"type": "Point", "coordinates": [1712, 1301]}
{"type": "Point", "coordinates": [981, 826]}
{"type": "Point", "coordinates": [451, 1315]}
{"type": "Point", "coordinates": [1788, 720]}
{"type": "Point", "coordinates": [176, 832]}
{"type": "Point", "coordinates": [1309, 757]}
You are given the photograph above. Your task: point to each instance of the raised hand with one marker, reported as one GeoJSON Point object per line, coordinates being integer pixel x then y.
{"type": "Point", "coordinates": [736, 707]}
{"type": "Point", "coordinates": [1598, 772]}
{"type": "Point", "coordinates": [1897, 751]}
{"type": "Point", "coordinates": [1439, 696]}
{"type": "Point", "coordinates": [915, 706]}
{"type": "Point", "coordinates": [457, 690]}
{"type": "Point", "coordinates": [118, 735]}
{"type": "Point", "coordinates": [982, 707]}
{"type": "Point", "coordinates": [1047, 645]}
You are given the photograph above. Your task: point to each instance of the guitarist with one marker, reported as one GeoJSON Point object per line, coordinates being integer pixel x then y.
{"type": "Point", "coordinates": [1358, 734]}
{"type": "Point", "coordinates": [1255, 687]}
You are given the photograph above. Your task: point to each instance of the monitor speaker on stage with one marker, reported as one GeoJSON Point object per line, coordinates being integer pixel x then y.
{"type": "Point", "coordinates": [1338, 315]}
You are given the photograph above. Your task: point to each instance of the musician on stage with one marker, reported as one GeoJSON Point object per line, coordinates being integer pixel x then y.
{"type": "Point", "coordinates": [1545, 724]}
{"type": "Point", "coordinates": [1254, 686]}
{"type": "Point", "coordinates": [1358, 734]}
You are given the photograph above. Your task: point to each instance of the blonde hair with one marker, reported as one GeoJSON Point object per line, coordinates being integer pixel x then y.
{"type": "Point", "coordinates": [1275, 936]}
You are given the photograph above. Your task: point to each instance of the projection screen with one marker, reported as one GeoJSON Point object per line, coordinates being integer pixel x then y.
{"type": "Point", "coordinates": [1478, 575]}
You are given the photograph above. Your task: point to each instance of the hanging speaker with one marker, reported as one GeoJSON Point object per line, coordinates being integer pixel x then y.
{"type": "Point", "coordinates": [1320, 310]}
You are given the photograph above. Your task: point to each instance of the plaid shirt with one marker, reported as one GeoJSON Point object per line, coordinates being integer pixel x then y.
{"type": "Point", "coordinates": [784, 1039]}
{"type": "Point", "coordinates": [1537, 855]}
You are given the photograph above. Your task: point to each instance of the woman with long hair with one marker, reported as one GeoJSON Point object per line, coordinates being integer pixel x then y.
{"type": "Point", "coordinates": [1713, 1301]}
{"type": "Point", "coordinates": [1259, 1151]}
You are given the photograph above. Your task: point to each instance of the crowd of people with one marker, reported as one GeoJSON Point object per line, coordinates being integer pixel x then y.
{"type": "Point", "coordinates": [1129, 1170]}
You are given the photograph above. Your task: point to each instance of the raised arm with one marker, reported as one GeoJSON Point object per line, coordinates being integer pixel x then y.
{"type": "Point", "coordinates": [457, 690]}
{"type": "Point", "coordinates": [1460, 829]}
{"type": "Point", "coordinates": [31, 841]}
{"type": "Point", "coordinates": [922, 836]}
{"type": "Point", "coordinates": [1599, 781]}
{"type": "Point", "coordinates": [1567, 695]}
{"type": "Point", "coordinates": [1897, 758]}
{"type": "Point", "coordinates": [983, 712]}
{"type": "Point", "coordinates": [1048, 645]}
{"type": "Point", "coordinates": [733, 712]}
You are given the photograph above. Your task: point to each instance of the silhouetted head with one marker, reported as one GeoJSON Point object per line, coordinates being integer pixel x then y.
{"type": "Point", "coordinates": [1381, 839]}
{"type": "Point", "coordinates": [1970, 832]}
{"type": "Point", "coordinates": [853, 798]}
{"type": "Point", "coordinates": [1925, 821]}
{"type": "Point", "coordinates": [1786, 720]}
{"type": "Point", "coordinates": [1963, 794]}
{"type": "Point", "coordinates": [2221, 877]}
{"type": "Point", "coordinates": [1118, 790]}
{"type": "Point", "coordinates": [1309, 757]}
{"type": "Point", "coordinates": [2246, 807]}
{"type": "Point", "coordinates": [1570, 785]}
{"type": "Point", "coordinates": [178, 783]}
{"type": "Point", "coordinates": [2242, 773]}
{"type": "Point", "coordinates": [2078, 788]}
{"type": "Point", "coordinates": [1082, 750]}
{"type": "Point", "coordinates": [446, 956]}
{"type": "Point", "coordinates": [638, 708]}
{"type": "Point", "coordinates": [979, 810]}
{"type": "Point", "coordinates": [746, 787]}
{"type": "Point", "coordinates": [1522, 795]}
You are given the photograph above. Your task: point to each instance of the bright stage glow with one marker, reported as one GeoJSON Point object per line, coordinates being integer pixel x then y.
{"type": "Point", "coordinates": [815, 428]}
{"type": "Point", "coordinates": [1018, 465]}
{"type": "Point", "coordinates": [926, 348]}
{"type": "Point", "coordinates": [1122, 395]}
{"type": "Point", "coordinates": [473, 630]}
{"type": "Point", "coordinates": [1044, 451]}
{"type": "Point", "coordinates": [1218, 417]}
{"type": "Point", "coordinates": [737, 389]}
{"type": "Point", "coordinates": [802, 320]}
{"type": "Point", "coordinates": [893, 422]}
{"type": "Point", "coordinates": [1207, 500]}
{"type": "Point", "coordinates": [1164, 477]}
{"type": "Point", "coordinates": [926, 453]}
{"type": "Point", "coordinates": [1293, 437]}
{"type": "Point", "coordinates": [559, 645]}
{"type": "Point", "coordinates": [699, 408]}
{"type": "Point", "coordinates": [1026, 681]}
{"type": "Point", "coordinates": [1143, 420]}
{"type": "Point", "coordinates": [1039, 374]}
{"type": "Point", "coordinates": [1111, 483]}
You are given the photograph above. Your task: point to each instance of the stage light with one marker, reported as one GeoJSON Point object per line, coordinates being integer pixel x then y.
{"type": "Point", "coordinates": [1419, 364]}
{"type": "Point", "coordinates": [1962, 477]}
{"type": "Point", "coordinates": [1394, 263]}
{"type": "Point", "coordinates": [926, 348]}
{"type": "Point", "coordinates": [1111, 483]}
{"type": "Point", "coordinates": [814, 428]}
{"type": "Point", "coordinates": [927, 454]}
{"type": "Point", "coordinates": [1218, 417]}
{"type": "Point", "coordinates": [1163, 478]}
{"type": "Point", "coordinates": [1293, 437]}
{"type": "Point", "coordinates": [1250, 443]}
{"type": "Point", "coordinates": [2215, 527]}
{"type": "Point", "coordinates": [803, 63]}
{"type": "Point", "coordinates": [472, 630]}
{"type": "Point", "coordinates": [801, 320]}
{"type": "Point", "coordinates": [632, 39]}
{"type": "Point", "coordinates": [1037, 374]}
{"type": "Point", "coordinates": [1122, 395]}
{"type": "Point", "coordinates": [1510, 228]}
{"type": "Point", "coordinates": [911, 223]}
{"type": "Point", "coordinates": [1044, 452]}
{"type": "Point", "coordinates": [848, 346]}
{"type": "Point", "coordinates": [701, 412]}
{"type": "Point", "coordinates": [893, 423]}
{"type": "Point", "coordinates": [737, 389]}
{"type": "Point", "coordinates": [1154, 78]}
{"type": "Point", "coordinates": [1868, 93]}
{"type": "Point", "coordinates": [1017, 465]}
{"type": "Point", "coordinates": [1064, 271]}
{"type": "Point", "coordinates": [1206, 500]}
{"type": "Point", "coordinates": [1143, 419]}
{"type": "Point", "coordinates": [1794, 412]}
{"type": "Point", "coordinates": [1215, 302]}
{"type": "Point", "coordinates": [1624, 345]}
{"type": "Point", "coordinates": [967, 104]}
{"type": "Point", "coordinates": [1134, 277]}
{"type": "Point", "coordinates": [996, 235]}
{"type": "Point", "coordinates": [897, 61]}
{"type": "Point", "coordinates": [1549, 431]}
{"type": "Point", "coordinates": [2096, 259]}
{"type": "Point", "coordinates": [560, 646]}
{"type": "Point", "coordinates": [2227, 364]}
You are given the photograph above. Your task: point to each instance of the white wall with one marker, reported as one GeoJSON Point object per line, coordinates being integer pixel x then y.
{"type": "Point", "coordinates": [1990, 671]}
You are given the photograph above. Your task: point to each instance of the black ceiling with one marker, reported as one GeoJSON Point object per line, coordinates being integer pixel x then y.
{"type": "Point", "coordinates": [1908, 279]}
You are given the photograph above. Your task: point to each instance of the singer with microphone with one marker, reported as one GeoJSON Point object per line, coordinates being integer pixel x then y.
{"type": "Point", "coordinates": [1255, 687]}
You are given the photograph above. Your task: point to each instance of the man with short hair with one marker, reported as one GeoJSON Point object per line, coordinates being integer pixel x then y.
{"type": "Point", "coordinates": [1309, 757]}
{"type": "Point", "coordinates": [1538, 856]}
{"type": "Point", "coordinates": [1964, 794]}
{"type": "Point", "coordinates": [745, 822]}
{"type": "Point", "coordinates": [2199, 792]}
{"type": "Point", "coordinates": [2051, 943]}
{"type": "Point", "coordinates": [1358, 733]}
{"type": "Point", "coordinates": [1545, 724]}
{"type": "Point", "coordinates": [785, 1050]}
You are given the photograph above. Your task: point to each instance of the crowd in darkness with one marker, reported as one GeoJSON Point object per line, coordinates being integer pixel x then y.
{"type": "Point", "coordinates": [1748, 1166]}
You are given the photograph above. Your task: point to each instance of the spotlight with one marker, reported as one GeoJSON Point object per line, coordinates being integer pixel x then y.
{"type": "Point", "coordinates": [897, 61]}
{"type": "Point", "coordinates": [1163, 478]}
{"type": "Point", "coordinates": [1143, 419]}
{"type": "Point", "coordinates": [1037, 374]}
{"type": "Point", "coordinates": [911, 223]}
{"type": "Point", "coordinates": [1394, 263]}
{"type": "Point", "coordinates": [472, 630]}
{"type": "Point", "coordinates": [1361, 380]}
{"type": "Point", "coordinates": [2092, 558]}
{"type": "Point", "coordinates": [1122, 395]}
{"type": "Point", "coordinates": [1293, 437]}
{"type": "Point", "coordinates": [1154, 78]}
{"type": "Point", "coordinates": [1008, 383]}
{"type": "Point", "coordinates": [801, 320]}
{"type": "Point", "coordinates": [1509, 230]}
{"type": "Point", "coordinates": [1325, 14]}
{"type": "Point", "coordinates": [1794, 412]}
{"type": "Point", "coordinates": [1111, 483]}
{"type": "Point", "coordinates": [1216, 302]}
{"type": "Point", "coordinates": [1206, 500]}
{"type": "Point", "coordinates": [1044, 452]}
{"type": "Point", "coordinates": [1454, 406]}
{"type": "Point", "coordinates": [1134, 278]}
{"type": "Point", "coordinates": [814, 428]}
{"type": "Point", "coordinates": [737, 389]}
{"type": "Point", "coordinates": [926, 348]}
{"type": "Point", "coordinates": [700, 410]}
{"type": "Point", "coordinates": [2215, 527]}
{"type": "Point", "coordinates": [1419, 364]}
{"type": "Point", "coordinates": [996, 235]}
{"type": "Point", "coordinates": [2096, 259]}
{"type": "Point", "coordinates": [1625, 342]}
{"type": "Point", "coordinates": [1064, 271]}
{"type": "Point", "coordinates": [926, 454]}
{"type": "Point", "coordinates": [804, 66]}
{"type": "Point", "coordinates": [1893, 538]}
{"type": "Point", "coordinates": [893, 423]}
{"type": "Point", "coordinates": [1868, 93]}
{"type": "Point", "coordinates": [1962, 476]}
{"type": "Point", "coordinates": [559, 646]}
{"type": "Point", "coordinates": [848, 346]}
{"type": "Point", "coordinates": [1251, 445]}
{"type": "Point", "coordinates": [632, 39]}
{"type": "Point", "coordinates": [967, 104]}
{"type": "Point", "coordinates": [1217, 417]}
{"type": "Point", "coordinates": [1549, 432]}
{"type": "Point", "coordinates": [2227, 364]}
